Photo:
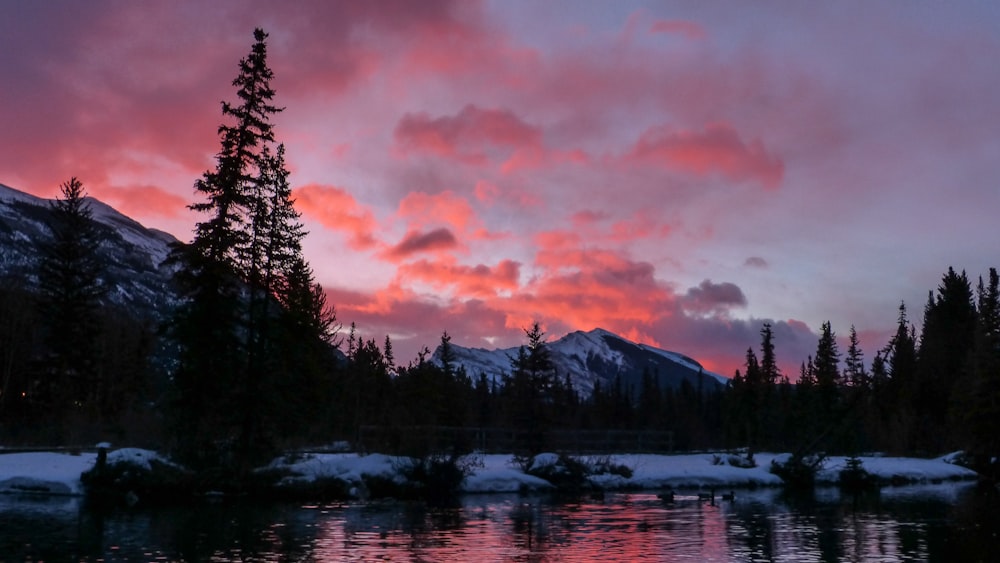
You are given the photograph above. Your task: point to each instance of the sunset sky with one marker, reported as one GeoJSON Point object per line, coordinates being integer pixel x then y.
{"type": "Point", "coordinates": [675, 172]}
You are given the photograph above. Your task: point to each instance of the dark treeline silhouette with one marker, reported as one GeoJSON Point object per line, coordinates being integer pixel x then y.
{"type": "Point", "coordinates": [923, 396]}
{"type": "Point", "coordinates": [530, 400]}
{"type": "Point", "coordinates": [250, 363]}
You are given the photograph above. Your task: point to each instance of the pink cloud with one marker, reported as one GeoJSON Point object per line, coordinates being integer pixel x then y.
{"type": "Point", "coordinates": [467, 136]}
{"type": "Point", "coordinates": [446, 208]}
{"type": "Point", "coordinates": [486, 192]}
{"type": "Point", "coordinates": [718, 148]}
{"type": "Point", "coordinates": [588, 217]}
{"type": "Point", "coordinates": [143, 200]}
{"type": "Point", "coordinates": [641, 225]}
{"type": "Point", "coordinates": [337, 209]}
{"type": "Point", "coordinates": [468, 281]}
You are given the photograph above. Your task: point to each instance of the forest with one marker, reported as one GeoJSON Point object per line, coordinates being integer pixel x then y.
{"type": "Point", "coordinates": [252, 360]}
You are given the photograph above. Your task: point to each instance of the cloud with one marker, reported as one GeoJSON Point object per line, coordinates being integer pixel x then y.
{"type": "Point", "coordinates": [641, 225]}
{"type": "Point", "coordinates": [416, 242]}
{"type": "Point", "coordinates": [143, 200]}
{"type": "Point", "coordinates": [718, 148]}
{"type": "Point", "coordinates": [337, 209]}
{"type": "Point", "coordinates": [755, 262]}
{"type": "Point", "coordinates": [688, 29]}
{"type": "Point", "coordinates": [416, 322]}
{"type": "Point", "coordinates": [713, 298]}
{"type": "Point", "coordinates": [471, 136]}
{"type": "Point", "coordinates": [467, 281]}
{"type": "Point", "coordinates": [446, 208]}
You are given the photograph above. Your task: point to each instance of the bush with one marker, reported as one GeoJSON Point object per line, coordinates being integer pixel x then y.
{"type": "Point", "coordinates": [569, 473]}
{"type": "Point", "coordinates": [605, 465]}
{"type": "Point", "coordinates": [797, 471]}
{"type": "Point", "coordinates": [563, 471]}
{"type": "Point", "coordinates": [435, 478]}
{"type": "Point", "coordinates": [152, 481]}
{"type": "Point", "coordinates": [854, 477]}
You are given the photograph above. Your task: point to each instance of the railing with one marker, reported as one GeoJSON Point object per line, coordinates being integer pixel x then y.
{"type": "Point", "coordinates": [446, 439]}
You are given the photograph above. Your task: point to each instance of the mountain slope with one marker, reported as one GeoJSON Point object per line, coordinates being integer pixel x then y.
{"type": "Point", "coordinates": [134, 254]}
{"type": "Point", "coordinates": [598, 355]}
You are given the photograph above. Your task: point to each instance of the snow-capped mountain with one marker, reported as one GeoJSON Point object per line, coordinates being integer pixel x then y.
{"type": "Point", "coordinates": [133, 253]}
{"type": "Point", "coordinates": [598, 355]}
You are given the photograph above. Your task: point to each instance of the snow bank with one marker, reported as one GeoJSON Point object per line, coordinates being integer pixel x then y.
{"type": "Point", "coordinates": [347, 467]}
{"type": "Point", "coordinates": [43, 472]}
{"type": "Point", "coordinates": [496, 473]}
{"type": "Point", "coordinates": [903, 469]}
{"type": "Point", "coordinates": [56, 473]}
{"type": "Point", "coordinates": [138, 457]}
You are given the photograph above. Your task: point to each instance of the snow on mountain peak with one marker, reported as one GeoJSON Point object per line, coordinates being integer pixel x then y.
{"type": "Point", "coordinates": [591, 357]}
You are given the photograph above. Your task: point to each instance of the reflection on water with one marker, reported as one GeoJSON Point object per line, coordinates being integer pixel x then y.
{"type": "Point", "coordinates": [942, 522]}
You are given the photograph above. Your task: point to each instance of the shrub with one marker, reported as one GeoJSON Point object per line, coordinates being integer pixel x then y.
{"type": "Point", "coordinates": [798, 471]}
{"type": "Point", "coordinates": [152, 481]}
{"type": "Point", "coordinates": [854, 477]}
{"type": "Point", "coordinates": [605, 465]}
{"type": "Point", "coordinates": [563, 471]}
{"type": "Point", "coordinates": [569, 473]}
{"type": "Point", "coordinates": [433, 477]}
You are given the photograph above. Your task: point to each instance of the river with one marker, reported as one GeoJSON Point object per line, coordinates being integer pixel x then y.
{"type": "Point", "coordinates": [946, 522]}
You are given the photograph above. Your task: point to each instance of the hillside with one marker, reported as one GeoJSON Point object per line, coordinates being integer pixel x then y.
{"type": "Point", "coordinates": [134, 254]}
{"type": "Point", "coordinates": [598, 355]}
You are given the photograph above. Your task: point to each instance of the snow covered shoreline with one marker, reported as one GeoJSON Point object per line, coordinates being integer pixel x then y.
{"type": "Point", "coordinates": [59, 473]}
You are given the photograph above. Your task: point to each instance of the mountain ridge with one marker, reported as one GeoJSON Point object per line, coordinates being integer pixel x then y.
{"type": "Point", "coordinates": [136, 275]}
{"type": "Point", "coordinates": [590, 357]}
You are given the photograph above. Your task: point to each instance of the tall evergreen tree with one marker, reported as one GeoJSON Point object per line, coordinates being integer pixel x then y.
{"type": "Point", "coordinates": [247, 290]}
{"type": "Point", "coordinates": [769, 371]}
{"type": "Point", "coordinates": [827, 359]}
{"type": "Point", "coordinates": [980, 403]}
{"type": "Point", "coordinates": [71, 285]}
{"type": "Point", "coordinates": [946, 342]}
{"type": "Point", "coordinates": [828, 382]}
{"type": "Point", "coordinates": [231, 189]}
{"type": "Point", "coordinates": [854, 365]}
{"type": "Point", "coordinates": [539, 362]}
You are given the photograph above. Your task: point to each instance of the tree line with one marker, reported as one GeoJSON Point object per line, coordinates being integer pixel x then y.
{"type": "Point", "coordinates": [250, 362]}
{"type": "Point", "coordinates": [923, 395]}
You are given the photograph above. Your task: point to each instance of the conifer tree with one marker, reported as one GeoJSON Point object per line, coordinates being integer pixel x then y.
{"type": "Point", "coordinates": [447, 355]}
{"type": "Point", "coordinates": [71, 286]}
{"type": "Point", "coordinates": [946, 342]}
{"type": "Point", "coordinates": [827, 359]}
{"type": "Point", "coordinates": [248, 294]}
{"type": "Point", "coordinates": [902, 352]}
{"type": "Point", "coordinates": [539, 362]}
{"type": "Point", "coordinates": [390, 359]}
{"type": "Point", "coordinates": [231, 188]}
{"type": "Point", "coordinates": [770, 374]}
{"type": "Point", "coordinates": [980, 404]}
{"type": "Point", "coordinates": [854, 365]}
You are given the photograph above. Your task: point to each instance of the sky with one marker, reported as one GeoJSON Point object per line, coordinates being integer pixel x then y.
{"type": "Point", "coordinates": [677, 172]}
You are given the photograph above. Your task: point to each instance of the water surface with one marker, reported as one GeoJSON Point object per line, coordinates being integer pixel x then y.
{"type": "Point", "coordinates": [949, 522]}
